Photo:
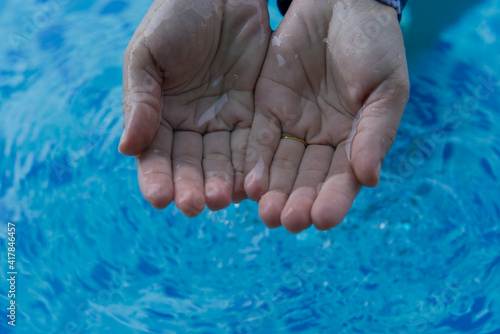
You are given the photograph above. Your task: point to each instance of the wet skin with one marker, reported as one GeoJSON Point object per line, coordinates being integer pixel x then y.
{"type": "Point", "coordinates": [198, 74]}
{"type": "Point", "coordinates": [189, 77]}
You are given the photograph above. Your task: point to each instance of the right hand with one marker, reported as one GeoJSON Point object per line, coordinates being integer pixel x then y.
{"type": "Point", "coordinates": [189, 76]}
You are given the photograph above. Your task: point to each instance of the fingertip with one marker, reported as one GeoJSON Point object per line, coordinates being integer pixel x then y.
{"type": "Point", "coordinates": [368, 175]}
{"type": "Point", "coordinates": [270, 207]}
{"type": "Point", "coordinates": [217, 196]}
{"type": "Point", "coordinates": [191, 204]}
{"type": "Point", "coordinates": [123, 138]}
{"type": "Point", "coordinates": [159, 197]}
{"type": "Point", "coordinates": [366, 165]}
{"type": "Point", "coordinates": [155, 181]}
{"type": "Point", "coordinates": [295, 221]}
{"type": "Point", "coordinates": [123, 146]}
{"type": "Point", "coordinates": [328, 215]}
{"type": "Point", "coordinates": [135, 141]}
{"type": "Point", "coordinates": [254, 187]}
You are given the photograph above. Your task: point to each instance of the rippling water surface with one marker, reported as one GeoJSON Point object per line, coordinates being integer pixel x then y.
{"type": "Point", "coordinates": [419, 254]}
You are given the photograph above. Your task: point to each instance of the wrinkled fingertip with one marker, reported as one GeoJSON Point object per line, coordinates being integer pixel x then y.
{"type": "Point", "coordinates": [159, 197]}
{"type": "Point", "coordinates": [191, 205]}
{"type": "Point", "coordinates": [217, 198]}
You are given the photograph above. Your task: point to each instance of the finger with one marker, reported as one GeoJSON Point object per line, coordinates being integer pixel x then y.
{"type": "Point", "coordinates": [284, 170]}
{"type": "Point", "coordinates": [239, 142]}
{"type": "Point", "coordinates": [141, 99]}
{"type": "Point", "coordinates": [262, 143]}
{"type": "Point", "coordinates": [337, 193]}
{"type": "Point", "coordinates": [187, 152]}
{"type": "Point", "coordinates": [218, 169]}
{"type": "Point", "coordinates": [154, 169]}
{"type": "Point", "coordinates": [296, 215]}
{"type": "Point", "coordinates": [376, 130]}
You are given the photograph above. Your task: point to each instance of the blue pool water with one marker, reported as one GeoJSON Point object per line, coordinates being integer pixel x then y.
{"type": "Point", "coordinates": [419, 254]}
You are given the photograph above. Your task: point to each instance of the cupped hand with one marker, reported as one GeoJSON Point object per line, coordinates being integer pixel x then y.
{"type": "Point", "coordinates": [190, 72]}
{"type": "Point", "coordinates": [335, 76]}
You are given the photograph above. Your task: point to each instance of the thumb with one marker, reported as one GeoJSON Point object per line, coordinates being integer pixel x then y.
{"type": "Point", "coordinates": [141, 99]}
{"type": "Point", "coordinates": [375, 129]}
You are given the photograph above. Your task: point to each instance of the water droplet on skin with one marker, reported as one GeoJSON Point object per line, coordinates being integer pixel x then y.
{"type": "Point", "coordinates": [276, 41]}
{"type": "Point", "coordinates": [325, 40]}
{"type": "Point", "coordinates": [256, 173]}
{"type": "Point", "coordinates": [281, 60]}
{"type": "Point", "coordinates": [217, 81]}
{"type": "Point", "coordinates": [236, 76]}
{"type": "Point", "coordinates": [289, 212]}
{"type": "Point", "coordinates": [263, 35]}
{"type": "Point", "coordinates": [213, 110]}
{"type": "Point", "coordinates": [400, 57]}
{"type": "Point", "coordinates": [318, 188]}
{"type": "Point", "coordinates": [353, 132]}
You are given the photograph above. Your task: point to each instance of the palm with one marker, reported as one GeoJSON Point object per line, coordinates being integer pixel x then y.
{"type": "Point", "coordinates": [189, 79]}
{"type": "Point", "coordinates": [317, 76]}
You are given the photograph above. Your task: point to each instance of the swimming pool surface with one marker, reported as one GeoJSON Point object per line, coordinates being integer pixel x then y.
{"type": "Point", "coordinates": [418, 254]}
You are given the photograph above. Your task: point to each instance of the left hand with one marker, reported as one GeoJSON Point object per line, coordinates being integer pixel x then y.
{"type": "Point", "coordinates": [327, 61]}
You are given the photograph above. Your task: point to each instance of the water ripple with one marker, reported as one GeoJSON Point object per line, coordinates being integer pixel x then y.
{"type": "Point", "coordinates": [419, 254]}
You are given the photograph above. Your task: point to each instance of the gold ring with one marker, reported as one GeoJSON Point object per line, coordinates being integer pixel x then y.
{"type": "Point", "coordinates": [295, 138]}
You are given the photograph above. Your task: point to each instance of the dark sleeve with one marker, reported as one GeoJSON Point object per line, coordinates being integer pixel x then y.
{"type": "Point", "coordinates": [397, 4]}
{"type": "Point", "coordinates": [283, 6]}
